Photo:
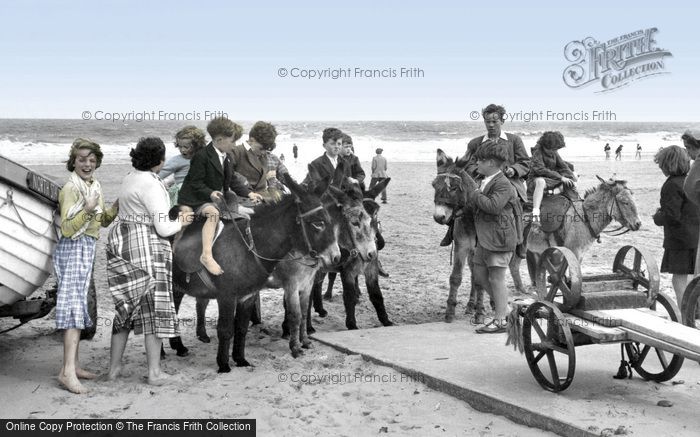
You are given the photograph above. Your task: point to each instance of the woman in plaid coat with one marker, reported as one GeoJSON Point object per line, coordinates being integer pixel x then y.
{"type": "Point", "coordinates": [139, 260]}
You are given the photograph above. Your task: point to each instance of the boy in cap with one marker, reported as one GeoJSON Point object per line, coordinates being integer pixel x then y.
{"type": "Point", "coordinates": [497, 217]}
{"type": "Point", "coordinates": [347, 152]}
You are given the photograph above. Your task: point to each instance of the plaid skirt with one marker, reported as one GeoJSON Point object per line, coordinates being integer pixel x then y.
{"type": "Point", "coordinates": [139, 273]}
{"type": "Point", "coordinates": [72, 262]}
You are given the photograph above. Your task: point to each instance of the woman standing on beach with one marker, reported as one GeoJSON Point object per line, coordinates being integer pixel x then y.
{"type": "Point", "coordinates": [139, 260]}
{"type": "Point", "coordinates": [679, 217]}
{"type": "Point", "coordinates": [189, 140]}
{"type": "Point", "coordinates": [82, 213]}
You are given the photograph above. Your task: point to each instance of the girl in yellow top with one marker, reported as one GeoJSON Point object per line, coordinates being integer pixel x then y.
{"type": "Point", "coordinates": [82, 213]}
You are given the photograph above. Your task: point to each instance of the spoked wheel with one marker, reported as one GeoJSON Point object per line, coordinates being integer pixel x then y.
{"type": "Point", "coordinates": [690, 307]}
{"type": "Point", "coordinates": [639, 265]}
{"type": "Point", "coordinates": [652, 363]}
{"type": "Point", "coordinates": [559, 277]}
{"type": "Point", "coordinates": [550, 351]}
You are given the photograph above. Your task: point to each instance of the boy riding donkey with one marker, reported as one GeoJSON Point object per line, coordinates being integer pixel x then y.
{"type": "Point", "coordinates": [210, 176]}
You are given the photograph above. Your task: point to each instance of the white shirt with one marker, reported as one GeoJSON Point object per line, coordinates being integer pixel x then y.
{"type": "Point", "coordinates": [334, 161]}
{"type": "Point", "coordinates": [144, 199]}
{"type": "Point", "coordinates": [503, 136]}
{"type": "Point", "coordinates": [487, 180]}
{"type": "Point", "coordinates": [222, 156]}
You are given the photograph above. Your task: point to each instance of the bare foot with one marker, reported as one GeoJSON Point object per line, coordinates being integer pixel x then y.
{"type": "Point", "coordinates": [211, 265]}
{"type": "Point", "coordinates": [84, 374]}
{"type": "Point", "coordinates": [159, 380]}
{"type": "Point", "coordinates": [114, 373]}
{"type": "Point", "coordinates": [71, 383]}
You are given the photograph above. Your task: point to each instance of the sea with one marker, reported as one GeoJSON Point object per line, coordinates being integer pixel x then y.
{"type": "Point", "coordinates": [47, 141]}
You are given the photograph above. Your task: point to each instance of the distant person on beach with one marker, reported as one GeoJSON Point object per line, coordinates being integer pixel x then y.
{"type": "Point", "coordinates": [189, 140]}
{"type": "Point", "coordinates": [139, 260]}
{"type": "Point", "coordinates": [679, 218]}
{"type": "Point", "coordinates": [607, 151]}
{"type": "Point", "coordinates": [211, 175]}
{"type": "Point", "coordinates": [516, 166]}
{"type": "Point", "coordinates": [83, 212]}
{"type": "Point", "coordinates": [638, 153]}
{"type": "Point", "coordinates": [351, 160]}
{"type": "Point", "coordinates": [379, 168]}
{"type": "Point", "coordinates": [295, 152]}
{"type": "Point", "coordinates": [282, 157]}
{"type": "Point", "coordinates": [691, 185]}
{"type": "Point", "coordinates": [548, 170]}
{"type": "Point", "coordinates": [618, 153]}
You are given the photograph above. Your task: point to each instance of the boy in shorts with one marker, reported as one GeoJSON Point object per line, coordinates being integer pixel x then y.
{"type": "Point", "coordinates": [497, 218]}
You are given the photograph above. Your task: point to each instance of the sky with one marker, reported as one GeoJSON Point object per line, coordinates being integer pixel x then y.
{"type": "Point", "coordinates": [63, 59]}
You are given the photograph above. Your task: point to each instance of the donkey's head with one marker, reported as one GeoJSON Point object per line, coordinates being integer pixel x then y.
{"type": "Point", "coordinates": [372, 207]}
{"type": "Point", "coordinates": [347, 210]}
{"type": "Point", "coordinates": [619, 203]}
{"type": "Point", "coordinates": [451, 185]}
{"type": "Point", "coordinates": [317, 236]}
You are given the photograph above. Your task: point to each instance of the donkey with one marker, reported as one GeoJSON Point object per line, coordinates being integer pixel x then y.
{"type": "Point", "coordinates": [356, 239]}
{"type": "Point", "coordinates": [451, 187]}
{"type": "Point", "coordinates": [351, 265]}
{"type": "Point", "coordinates": [297, 223]}
{"type": "Point", "coordinates": [580, 222]}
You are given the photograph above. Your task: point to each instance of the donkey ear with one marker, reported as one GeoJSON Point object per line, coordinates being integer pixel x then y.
{"type": "Point", "coordinates": [442, 159]}
{"type": "Point", "coordinates": [374, 192]}
{"type": "Point", "coordinates": [337, 194]}
{"type": "Point", "coordinates": [602, 181]}
{"type": "Point", "coordinates": [290, 183]}
{"type": "Point", "coordinates": [462, 161]}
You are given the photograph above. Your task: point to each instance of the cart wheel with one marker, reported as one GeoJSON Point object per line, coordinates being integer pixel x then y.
{"type": "Point", "coordinates": [660, 365]}
{"type": "Point", "coordinates": [642, 270]}
{"type": "Point", "coordinates": [89, 333]}
{"type": "Point", "coordinates": [559, 277]}
{"type": "Point", "coordinates": [552, 335]}
{"type": "Point", "coordinates": [690, 306]}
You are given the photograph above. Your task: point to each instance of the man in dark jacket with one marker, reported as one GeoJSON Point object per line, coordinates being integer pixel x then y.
{"type": "Point", "coordinates": [517, 163]}
{"type": "Point", "coordinates": [210, 175]}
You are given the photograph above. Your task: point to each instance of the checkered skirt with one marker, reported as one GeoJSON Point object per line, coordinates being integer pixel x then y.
{"type": "Point", "coordinates": [139, 274]}
{"type": "Point", "coordinates": [72, 261]}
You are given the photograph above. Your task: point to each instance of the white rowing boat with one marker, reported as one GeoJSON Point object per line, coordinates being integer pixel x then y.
{"type": "Point", "coordinates": [28, 230]}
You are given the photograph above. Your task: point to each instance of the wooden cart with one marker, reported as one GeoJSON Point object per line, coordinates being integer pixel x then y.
{"type": "Point", "coordinates": [624, 307]}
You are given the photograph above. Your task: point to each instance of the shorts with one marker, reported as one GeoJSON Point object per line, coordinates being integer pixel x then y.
{"type": "Point", "coordinates": [490, 258]}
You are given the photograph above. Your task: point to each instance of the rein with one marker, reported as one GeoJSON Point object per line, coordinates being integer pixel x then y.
{"type": "Point", "coordinates": [300, 218]}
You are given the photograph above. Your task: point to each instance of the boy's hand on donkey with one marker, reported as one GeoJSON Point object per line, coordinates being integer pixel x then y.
{"type": "Point", "coordinates": [566, 181]}
{"type": "Point", "coordinates": [216, 195]}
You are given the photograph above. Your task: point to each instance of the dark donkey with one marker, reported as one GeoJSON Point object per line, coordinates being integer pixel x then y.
{"type": "Point", "coordinates": [451, 185]}
{"type": "Point", "coordinates": [297, 223]}
{"type": "Point", "coordinates": [347, 209]}
{"type": "Point", "coordinates": [351, 265]}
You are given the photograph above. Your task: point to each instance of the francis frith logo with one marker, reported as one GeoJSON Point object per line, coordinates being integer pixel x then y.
{"type": "Point", "coordinates": [615, 63]}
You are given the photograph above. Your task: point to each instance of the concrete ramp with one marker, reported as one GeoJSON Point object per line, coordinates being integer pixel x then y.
{"type": "Point", "coordinates": [492, 377]}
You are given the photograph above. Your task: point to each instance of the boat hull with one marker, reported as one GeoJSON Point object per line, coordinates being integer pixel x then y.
{"type": "Point", "coordinates": [28, 231]}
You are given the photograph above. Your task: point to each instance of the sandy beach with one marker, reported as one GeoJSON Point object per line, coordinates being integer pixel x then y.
{"type": "Point", "coordinates": [288, 396]}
